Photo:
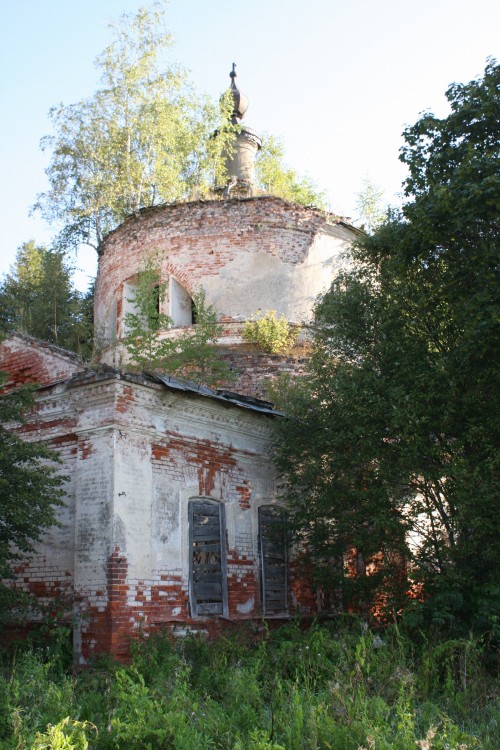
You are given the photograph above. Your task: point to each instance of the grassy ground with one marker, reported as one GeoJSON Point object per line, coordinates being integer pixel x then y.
{"type": "Point", "coordinates": [333, 687]}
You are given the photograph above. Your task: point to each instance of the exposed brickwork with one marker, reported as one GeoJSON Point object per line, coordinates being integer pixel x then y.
{"type": "Point", "coordinates": [29, 360]}
{"type": "Point", "coordinates": [221, 227]}
{"type": "Point", "coordinates": [247, 254]}
{"type": "Point", "coordinates": [207, 458]}
{"type": "Point", "coordinates": [242, 585]}
{"type": "Point", "coordinates": [256, 371]}
{"type": "Point", "coordinates": [124, 400]}
{"type": "Point", "coordinates": [137, 452]}
{"type": "Point", "coordinates": [302, 594]}
{"type": "Point", "coordinates": [107, 629]}
{"type": "Point", "coordinates": [44, 581]}
{"type": "Point", "coordinates": [245, 492]}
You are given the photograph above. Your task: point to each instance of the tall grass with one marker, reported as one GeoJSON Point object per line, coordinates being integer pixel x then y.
{"type": "Point", "coordinates": [327, 688]}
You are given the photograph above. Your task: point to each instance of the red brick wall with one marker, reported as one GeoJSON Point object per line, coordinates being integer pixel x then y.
{"type": "Point", "coordinates": [255, 370]}
{"type": "Point", "coordinates": [213, 450]}
{"type": "Point", "coordinates": [28, 360]}
{"type": "Point", "coordinates": [196, 240]}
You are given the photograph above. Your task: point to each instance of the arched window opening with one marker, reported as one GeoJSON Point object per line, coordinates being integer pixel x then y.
{"type": "Point", "coordinates": [157, 299]}
{"type": "Point", "coordinates": [129, 303]}
{"type": "Point", "coordinates": [207, 558]}
{"type": "Point", "coordinates": [168, 298]}
{"type": "Point", "coordinates": [273, 550]}
{"type": "Point", "coordinates": [142, 303]}
{"type": "Point", "coordinates": [180, 304]}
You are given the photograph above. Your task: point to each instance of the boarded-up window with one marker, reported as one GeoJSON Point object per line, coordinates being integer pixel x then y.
{"type": "Point", "coordinates": [207, 575]}
{"type": "Point", "coordinates": [273, 560]}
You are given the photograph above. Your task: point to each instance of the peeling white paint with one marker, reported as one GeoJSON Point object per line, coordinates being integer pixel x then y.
{"type": "Point", "coordinates": [244, 608]}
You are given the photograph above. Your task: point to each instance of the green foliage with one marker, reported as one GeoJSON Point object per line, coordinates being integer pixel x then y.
{"type": "Point", "coordinates": [34, 696]}
{"type": "Point", "coordinates": [274, 177]}
{"type": "Point", "coordinates": [67, 734]}
{"type": "Point", "coordinates": [144, 138]}
{"type": "Point", "coordinates": [369, 205]}
{"type": "Point", "coordinates": [271, 333]}
{"type": "Point", "coordinates": [189, 353]}
{"type": "Point", "coordinates": [323, 689]}
{"type": "Point", "coordinates": [393, 441]}
{"type": "Point", "coordinates": [144, 324]}
{"type": "Point", "coordinates": [81, 338]}
{"type": "Point", "coordinates": [30, 488]}
{"type": "Point", "coordinates": [37, 298]}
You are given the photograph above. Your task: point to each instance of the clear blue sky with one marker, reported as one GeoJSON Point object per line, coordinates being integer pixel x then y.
{"type": "Point", "coordinates": [338, 81]}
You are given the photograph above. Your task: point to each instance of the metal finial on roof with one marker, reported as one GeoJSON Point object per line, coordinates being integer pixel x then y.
{"type": "Point", "coordinates": [240, 100]}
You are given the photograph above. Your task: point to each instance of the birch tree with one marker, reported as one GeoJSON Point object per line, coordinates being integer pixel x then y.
{"type": "Point", "coordinates": [142, 139]}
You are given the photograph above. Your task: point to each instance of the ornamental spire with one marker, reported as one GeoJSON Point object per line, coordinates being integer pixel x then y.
{"type": "Point", "coordinates": [240, 100]}
{"type": "Point", "coordinates": [239, 159]}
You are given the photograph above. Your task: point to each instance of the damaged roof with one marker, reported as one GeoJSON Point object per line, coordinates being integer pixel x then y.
{"type": "Point", "coordinates": [176, 384]}
{"type": "Point", "coordinates": [237, 399]}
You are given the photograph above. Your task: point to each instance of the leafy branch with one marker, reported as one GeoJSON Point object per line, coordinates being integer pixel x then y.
{"type": "Point", "coordinates": [189, 352]}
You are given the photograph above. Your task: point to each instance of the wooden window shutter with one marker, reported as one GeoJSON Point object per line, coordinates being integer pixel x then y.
{"type": "Point", "coordinates": [273, 549]}
{"type": "Point", "coordinates": [207, 555]}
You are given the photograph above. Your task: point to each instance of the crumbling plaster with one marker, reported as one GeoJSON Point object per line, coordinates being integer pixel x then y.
{"type": "Point", "coordinates": [137, 448]}
{"type": "Point", "coordinates": [135, 454]}
{"type": "Point", "coordinates": [246, 254]}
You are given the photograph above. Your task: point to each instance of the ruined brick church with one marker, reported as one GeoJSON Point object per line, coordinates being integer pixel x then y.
{"type": "Point", "coordinates": [172, 496]}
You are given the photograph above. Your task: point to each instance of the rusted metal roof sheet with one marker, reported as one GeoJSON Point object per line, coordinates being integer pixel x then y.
{"type": "Point", "coordinates": [228, 397]}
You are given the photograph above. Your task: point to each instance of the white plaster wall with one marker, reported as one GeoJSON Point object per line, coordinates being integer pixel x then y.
{"type": "Point", "coordinates": [259, 281]}
{"type": "Point", "coordinates": [247, 256]}
{"type": "Point", "coordinates": [132, 498]}
{"type": "Point", "coordinates": [56, 549]}
{"type": "Point", "coordinates": [94, 514]}
{"type": "Point", "coordinates": [168, 523]}
{"type": "Point", "coordinates": [164, 534]}
{"type": "Point", "coordinates": [180, 304]}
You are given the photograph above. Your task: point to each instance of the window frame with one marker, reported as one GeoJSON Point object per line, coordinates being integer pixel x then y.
{"type": "Point", "coordinates": [199, 609]}
{"type": "Point", "coordinates": [280, 514]}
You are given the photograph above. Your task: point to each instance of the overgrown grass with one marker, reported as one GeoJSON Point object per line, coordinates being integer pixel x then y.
{"type": "Point", "coordinates": [330, 687]}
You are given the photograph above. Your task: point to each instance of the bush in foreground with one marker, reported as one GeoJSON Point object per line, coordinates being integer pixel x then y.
{"type": "Point", "coordinates": [329, 687]}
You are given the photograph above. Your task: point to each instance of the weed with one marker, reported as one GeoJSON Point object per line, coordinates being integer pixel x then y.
{"type": "Point", "coordinates": [327, 688]}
